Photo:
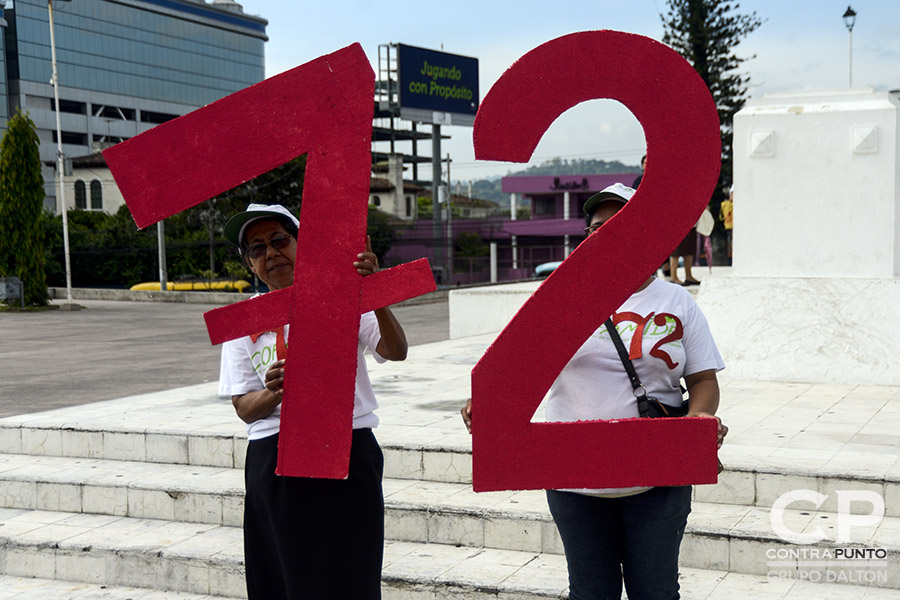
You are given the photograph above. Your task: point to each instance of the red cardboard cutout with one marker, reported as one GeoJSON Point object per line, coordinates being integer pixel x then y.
{"type": "Point", "coordinates": [271, 310]}
{"type": "Point", "coordinates": [683, 151]}
{"type": "Point", "coordinates": [324, 109]}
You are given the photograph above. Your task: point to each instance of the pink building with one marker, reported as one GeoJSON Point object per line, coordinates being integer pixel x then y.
{"type": "Point", "coordinates": [544, 223]}
{"type": "Point", "coordinates": [556, 223]}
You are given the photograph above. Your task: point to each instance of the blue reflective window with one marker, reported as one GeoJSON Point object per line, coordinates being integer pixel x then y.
{"type": "Point", "coordinates": [140, 52]}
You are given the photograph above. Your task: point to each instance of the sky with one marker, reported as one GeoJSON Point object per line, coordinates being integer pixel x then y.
{"type": "Point", "coordinates": [801, 45]}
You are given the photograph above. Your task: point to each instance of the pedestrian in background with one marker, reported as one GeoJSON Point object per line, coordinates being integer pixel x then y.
{"type": "Point", "coordinates": [726, 215]}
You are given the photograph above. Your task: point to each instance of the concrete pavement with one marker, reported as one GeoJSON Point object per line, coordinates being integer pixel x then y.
{"type": "Point", "coordinates": [112, 349]}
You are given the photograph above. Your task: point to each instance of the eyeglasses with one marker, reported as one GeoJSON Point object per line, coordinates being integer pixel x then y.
{"type": "Point", "coordinates": [592, 228]}
{"type": "Point", "coordinates": [279, 242]}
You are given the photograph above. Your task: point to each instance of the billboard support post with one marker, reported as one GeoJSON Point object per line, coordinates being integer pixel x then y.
{"type": "Point", "coordinates": [448, 200]}
{"type": "Point", "coordinates": [436, 208]}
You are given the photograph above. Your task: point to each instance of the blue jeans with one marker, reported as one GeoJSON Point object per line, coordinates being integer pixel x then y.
{"type": "Point", "coordinates": [636, 538]}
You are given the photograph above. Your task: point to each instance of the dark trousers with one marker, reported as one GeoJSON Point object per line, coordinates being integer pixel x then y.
{"type": "Point", "coordinates": [636, 538]}
{"type": "Point", "coordinates": [317, 539]}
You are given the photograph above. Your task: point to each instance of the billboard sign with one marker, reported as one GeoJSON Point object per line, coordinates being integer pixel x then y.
{"type": "Point", "coordinates": [437, 82]}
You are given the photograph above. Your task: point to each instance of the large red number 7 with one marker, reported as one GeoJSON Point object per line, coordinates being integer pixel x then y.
{"type": "Point", "coordinates": [683, 151]}
{"type": "Point", "coordinates": [323, 108]}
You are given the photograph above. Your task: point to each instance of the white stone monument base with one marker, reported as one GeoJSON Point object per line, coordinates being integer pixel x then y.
{"type": "Point", "coordinates": [815, 329]}
{"type": "Point", "coordinates": [487, 309]}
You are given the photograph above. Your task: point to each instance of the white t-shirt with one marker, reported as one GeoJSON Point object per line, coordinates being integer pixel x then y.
{"type": "Point", "coordinates": [245, 362]}
{"type": "Point", "coordinates": [674, 341]}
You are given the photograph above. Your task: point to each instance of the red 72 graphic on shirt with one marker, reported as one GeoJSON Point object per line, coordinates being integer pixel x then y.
{"type": "Point", "coordinates": [635, 350]}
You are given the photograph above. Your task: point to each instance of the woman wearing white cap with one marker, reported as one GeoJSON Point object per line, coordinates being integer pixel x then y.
{"type": "Point", "coordinates": [631, 535]}
{"type": "Point", "coordinates": [303, 537]}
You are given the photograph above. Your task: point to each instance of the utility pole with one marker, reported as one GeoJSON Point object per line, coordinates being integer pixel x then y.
{"type": "Point", "coordinates": [60, 163]}
{"type": "Point", "coordinates": [449, 225]}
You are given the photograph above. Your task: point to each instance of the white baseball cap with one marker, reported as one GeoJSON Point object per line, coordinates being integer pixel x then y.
{"type": "Point", "coordinates": [236, 225]}
{"type": "Point", "coordinates": [618, 192]}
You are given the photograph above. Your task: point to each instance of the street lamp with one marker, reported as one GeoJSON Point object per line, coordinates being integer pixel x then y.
{"type": "Point", "coordinates": [60, 160]}
{"type": "Point", "coordinates": [850, 21]}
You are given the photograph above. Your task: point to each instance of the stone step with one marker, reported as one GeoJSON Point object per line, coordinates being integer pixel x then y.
{"type": "Point", "coordinates": [746, 481]}
{"type": "Point", "coordinates": [729, 537]}
{"type": "Point", "coordinates": [184, 493]}
{"type": "Point", "coordinates": [123, 551]}
{"type": "Point", "coordinates": [203, 436]}
{"type": "Point", "coordinates": [47, 434]}
{"type": "Point", "coordinates": [436, 571]}
{"type": "Point", "coordinates": [78, 556]}
{"type": "Point", "coordinates": [32, 588]}
{"type": "Point", "coordinates": [203, 439]}
{"type": "Point", "coordinates": [739, 539]}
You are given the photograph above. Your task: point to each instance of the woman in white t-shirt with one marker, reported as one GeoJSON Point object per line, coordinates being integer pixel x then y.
{"type": "Point", "coordinates": [304, 537]}
{"type": "Point", "coordinates": [631, 534]}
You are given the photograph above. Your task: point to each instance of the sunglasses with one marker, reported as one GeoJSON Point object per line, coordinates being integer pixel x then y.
{"type": "Point", "coordinates": [279, 242]}
{"type": "Point", "coordinates": [591, 229]}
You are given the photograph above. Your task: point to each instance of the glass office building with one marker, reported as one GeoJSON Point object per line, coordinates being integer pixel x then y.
{"type": "Point", "coordinates": [124, 66]}
{"type": "Point", "coordinates": [4, 93]}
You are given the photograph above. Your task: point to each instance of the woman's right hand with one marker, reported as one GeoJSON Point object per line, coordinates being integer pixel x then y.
{"type": "Point", "coordinates": [466, 413]}
{"type": "Point", "coordinates": [253, 406]}
{"type": "Point", "coordinates": [275, 379]}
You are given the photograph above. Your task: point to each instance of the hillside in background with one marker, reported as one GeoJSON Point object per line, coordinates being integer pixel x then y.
{"type": "Point", "coordinates": [490, 189]}
{"type": "Point", "coordinates": [580, 166]}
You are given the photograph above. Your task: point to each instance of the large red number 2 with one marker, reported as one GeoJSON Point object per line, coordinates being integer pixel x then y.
{"type": "Point", "coordinates": [323, 108]}
{"type": "Point", "coordinates": [683, 151]}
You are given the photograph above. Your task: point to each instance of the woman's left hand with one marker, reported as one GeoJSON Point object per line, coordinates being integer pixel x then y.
{"type": "Point", "coordinates": [723, 430]}
{"type": "Point", "coordinates": [466, 412]}
{"type": "Point", "coordinates": [393, 344]}
{"type": "Point", "coordinates": [368, 262]}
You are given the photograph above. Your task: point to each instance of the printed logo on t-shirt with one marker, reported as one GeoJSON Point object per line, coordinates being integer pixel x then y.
{"type": "Point", "coordinates": [261, 359]}
{"type": "Point", "coordinates": [664, 326]}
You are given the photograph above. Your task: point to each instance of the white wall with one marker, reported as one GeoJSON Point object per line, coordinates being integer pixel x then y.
{"type": "Point", "coordinates": [817, 185]}
{"type": "Point", "coordinates": [112, 197]}
{"type": "Point", "coordinates": [486, 309]}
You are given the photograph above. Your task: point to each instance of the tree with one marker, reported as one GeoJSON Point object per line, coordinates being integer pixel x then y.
{"type": "Point", "coordinates": [470, 244]}
{"type": "Point", "coordinates": [382, 230]}
{"type": "Point", "coordinates": [425, 210]}
{"type": "Point", "coordinates": [22, 249]}
{"type": "Point", "coordinates": [705, 32]}
{"type": "Point", "coordinates": [282, 185]}
{"type": "Point", "coordinates": [109, 249]}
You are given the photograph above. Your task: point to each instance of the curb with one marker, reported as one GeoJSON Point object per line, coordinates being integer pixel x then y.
{"type": "Point", "coordinates": [196, 297]}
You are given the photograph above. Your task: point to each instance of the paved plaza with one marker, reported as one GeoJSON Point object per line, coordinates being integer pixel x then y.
{"type": "Point", "coordinates": [112, 349]}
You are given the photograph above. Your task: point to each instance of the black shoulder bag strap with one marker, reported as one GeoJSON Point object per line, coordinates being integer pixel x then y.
{"type": "Point", "coordinates": [647, 407]}
{"type": "Point", "coordinates": [640, 396]}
